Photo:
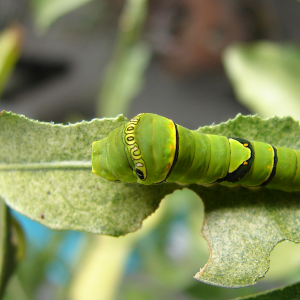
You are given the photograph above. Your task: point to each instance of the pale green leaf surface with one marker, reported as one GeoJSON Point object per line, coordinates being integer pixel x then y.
{"type": "Point", "coordinates": [45, 174]}
{"type": "Point", "coordinates": [265, 77]}
{"type": "Point", "coordinates": [242, 226]}
{"type": "Point", "coordinates": [48, 11]}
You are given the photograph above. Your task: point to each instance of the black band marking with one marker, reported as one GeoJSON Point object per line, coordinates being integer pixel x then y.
{"type": "Point", "coordinates": [175, 156]}
{"type": "Point", "coordinates": [273, 169]}
{"type": "Point", "coordinates": [242, 170]}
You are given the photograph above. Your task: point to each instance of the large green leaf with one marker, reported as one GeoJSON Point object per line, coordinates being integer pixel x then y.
{"type": "Point", "coordinates": [242, 225]}
{"type": "Point", "coordinates": [45, 173]}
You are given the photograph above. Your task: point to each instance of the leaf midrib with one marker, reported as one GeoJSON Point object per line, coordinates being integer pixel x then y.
{"type": "Point", "coordinates": [54, 165]}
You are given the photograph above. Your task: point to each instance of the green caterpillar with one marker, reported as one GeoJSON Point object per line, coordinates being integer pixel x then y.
{"type": "Point", "coordinates": [151, 149]}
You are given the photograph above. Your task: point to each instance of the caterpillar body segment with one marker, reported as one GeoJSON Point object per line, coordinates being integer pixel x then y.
{"type": "Point", "coordinates": [151, 149]}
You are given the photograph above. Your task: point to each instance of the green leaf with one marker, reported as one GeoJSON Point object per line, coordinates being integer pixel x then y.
{"type": "Point", "coordinates": [243, 225]}
{"type": "Point", "coordinates": [265, 77]}
{"type": "Point", "coordinates": [124, 76]}
{"type": "Point", "coordinates": [45, 173]}
{"type": "Point", "coordinates": [285, 293]}
{"type": "Point", "coordinates": [10, 46]}
{"type": "Point", "coordinates": [48, 11]}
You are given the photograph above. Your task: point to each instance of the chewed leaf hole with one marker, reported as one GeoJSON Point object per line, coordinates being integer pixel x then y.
{"type": "Point", "coordinates": [284, 262]}
{"type": "Point", "coordinates": [184, 219]}
{"type": "Point", "coordinates": [171, 241]}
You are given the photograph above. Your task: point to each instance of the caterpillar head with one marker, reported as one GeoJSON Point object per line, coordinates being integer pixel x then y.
{"type": "Point", "coordinates": [142, 151]}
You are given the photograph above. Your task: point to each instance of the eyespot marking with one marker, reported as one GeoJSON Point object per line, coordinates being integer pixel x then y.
{"type": "Point", "coordinates": [139, 174]}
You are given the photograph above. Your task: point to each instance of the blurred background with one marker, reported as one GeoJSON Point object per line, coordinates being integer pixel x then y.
{"type": "Point", "coordinates": [197, 62]}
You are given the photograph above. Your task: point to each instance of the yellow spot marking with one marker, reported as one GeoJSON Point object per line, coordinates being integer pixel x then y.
{"type": "Point", "coordinates": [168, 167]}
{"type": "Point", "coordinates": [245, 163]}
{"type": "Point", "coordinates": [246, 144]}
{"type": "Point", "coordinates": [170, 125]}
{"type": "Point", "coordinates": [171, 146]}
{"type": "Point", "coordinates": [268, 167]}
{"type": "Point", "coordinates": [270, 149]}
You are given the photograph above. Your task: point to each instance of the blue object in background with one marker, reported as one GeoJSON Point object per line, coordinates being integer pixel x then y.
{"type": "Point", "coordinates": [57, 271]}
{"type": "Point", "coordinates": [35, 233]}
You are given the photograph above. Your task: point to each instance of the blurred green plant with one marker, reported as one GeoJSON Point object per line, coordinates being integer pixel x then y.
{"type": "Point", "coordinates": [10, 50]}
{"type": "Point", "coordinates": [46, 12]}
{"type": "Point", "coordinates": [125, 73]}
{"type": "Point", "coordinates": [284, 293]}
{"type": "Point", "coordinates": [265, 77]}
{"type": "Point", "coordinates": [12, 245]}
{"type": "Point", "coordinates": [103, 266]}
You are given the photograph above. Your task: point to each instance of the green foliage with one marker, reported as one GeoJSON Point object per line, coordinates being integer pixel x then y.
{"type": "Point", "coordinates": [124, 77]}
{"type": "Point", "coordinates": [45, 169]}
{"type": "Point", "coordinates": [285, 293]}
{"type": "Point", "coordinates": [10, 44]}
{"type": "Point", "coordinates": [48, 11]}
{"type": "Point", "coordinates": [46, 175]}
{"type": "Point", "coordinates": [11, 245]}
{"type": "Point", "coordinates": [265, 77]}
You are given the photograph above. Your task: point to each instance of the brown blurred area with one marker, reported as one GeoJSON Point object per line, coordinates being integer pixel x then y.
{"type": "Point", "coordinates": [60, 73]}
{"type": "Point", "coordinates": [190, 35]}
